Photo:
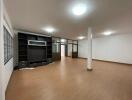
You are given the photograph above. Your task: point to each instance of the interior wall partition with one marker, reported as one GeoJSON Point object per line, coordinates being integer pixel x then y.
{"type": "Point", "coordinates": [56, 48]}
{"type": "Point", "coordinates": [75, 49]}
{"type": "Point", "coordinates": [64, 43]}
{"type": "Point", "coordinates": [72, 48]}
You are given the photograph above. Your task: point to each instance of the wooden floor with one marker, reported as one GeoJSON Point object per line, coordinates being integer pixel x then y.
{"type": "Point", "coordinates": [69, 80]}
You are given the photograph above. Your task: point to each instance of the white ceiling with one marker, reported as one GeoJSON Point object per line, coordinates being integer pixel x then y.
{"type": "Point", "coordinates": [102, 15]}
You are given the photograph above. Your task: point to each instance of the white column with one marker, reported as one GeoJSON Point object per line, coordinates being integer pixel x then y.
{"type": "Point", "coordinates": [2, 91]}
{"type": "Point", "coordinates": [89, 56]}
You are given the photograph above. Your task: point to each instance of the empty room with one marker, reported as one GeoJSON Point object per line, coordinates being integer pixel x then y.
{"type": "Point", "coordinates": [65, 49]}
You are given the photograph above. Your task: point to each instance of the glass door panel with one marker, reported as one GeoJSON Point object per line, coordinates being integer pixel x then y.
{"type": "Point", "coordinates": [56, 49]}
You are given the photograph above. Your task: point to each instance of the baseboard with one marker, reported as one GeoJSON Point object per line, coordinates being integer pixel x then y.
{"type": "Point", "coordinates": [9, 81]}
{"type": "Point", "coordinates": [82, 58]}
{"type": "Point", "coordinates": [111, 62]}
{"type": "Point", "coordinates": [106, 61]}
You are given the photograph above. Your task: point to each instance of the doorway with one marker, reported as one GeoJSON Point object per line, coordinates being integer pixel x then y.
{"type": "Point", "coordinates": [63, 50]}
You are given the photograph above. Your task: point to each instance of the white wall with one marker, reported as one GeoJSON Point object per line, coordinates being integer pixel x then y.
{"type": "Point", "coordinates": [116, 48]}
{"type": "Point", "coordinates": [5, 70]}
{"type": "Point", "coordinates": [2, 93]}
{"type": "Point", "coordinates": [82, 48]}
{"type": "Point", "coordinates": [8, 67]}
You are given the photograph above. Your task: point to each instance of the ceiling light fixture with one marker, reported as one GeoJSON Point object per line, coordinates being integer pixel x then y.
{"type": "Point", "coordinates": [49, 29]}
{"type": "Point", "coordinates": [63, 40]}
{"type": "Point", "coordinates": [79, 9]}
{"type": "Point", "coordinates": [81, 37]}
{"type": "Point", "coordinates": [107, 33]}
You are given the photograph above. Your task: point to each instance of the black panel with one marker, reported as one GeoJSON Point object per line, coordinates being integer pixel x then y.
{"type": "Point", "coordinates": [22, 46]}
{"type": "Point", "coordinates": [32, 37]}
{"type": "Point", "coordinates": [37, 53]}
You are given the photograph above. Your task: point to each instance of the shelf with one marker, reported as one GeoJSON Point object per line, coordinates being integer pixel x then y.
{"type": "Point", "coordinates": [23, 55]}
{"type": "Point", "coordinates": [49, 55]}
{"type": "Point", "coordinates": [49, 49]}
{"type": "Point", "coordinates": [22, 50]}
{"type": "Point", "coordinates": [22, 44]}
{"type": "Point", "coordinates": [22, 39]}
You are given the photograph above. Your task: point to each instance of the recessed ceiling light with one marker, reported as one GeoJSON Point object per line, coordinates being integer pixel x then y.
{"type": "Point", "coordinates": [81, 37]}
{"type": "Point", "coordinates": [108, 33]}
{"type": "Point", "coordinates": [63, 40]}
{"type": "Point", "coordinates": [49, 29]}
{"type": "Point", "coordinates": [79, 9]}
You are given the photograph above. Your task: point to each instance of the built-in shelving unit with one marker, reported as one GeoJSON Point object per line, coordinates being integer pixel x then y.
{"type": "Point", "coordinates": [34, 54]}
{"type": "Point", "coordinates": [22, 46]}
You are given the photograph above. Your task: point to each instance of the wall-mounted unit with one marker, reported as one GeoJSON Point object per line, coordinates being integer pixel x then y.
{"type": "Point", "coordinates": [34, 49]}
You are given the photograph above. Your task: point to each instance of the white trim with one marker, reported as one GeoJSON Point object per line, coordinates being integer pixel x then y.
{"type": "Point", "coordinates": [32, 33]}
{"type": "Point", "coordinates": [45, 43]}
